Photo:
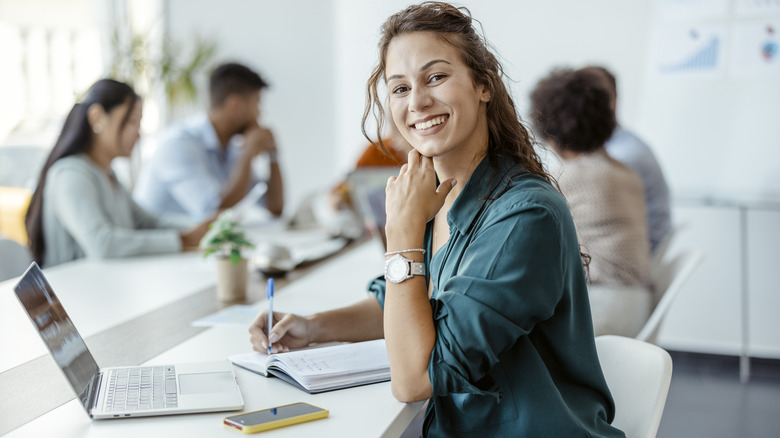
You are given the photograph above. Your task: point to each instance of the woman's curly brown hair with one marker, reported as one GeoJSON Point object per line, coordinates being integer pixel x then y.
{"type": "Point", "coordinates": [507, 135]}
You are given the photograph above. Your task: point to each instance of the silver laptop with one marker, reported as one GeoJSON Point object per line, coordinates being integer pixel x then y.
{"type": "Point", "coordinates": [121, 392]}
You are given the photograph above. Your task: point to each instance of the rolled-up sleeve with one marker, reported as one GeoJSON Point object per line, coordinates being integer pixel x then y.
{"type": "Point", "coordinates": [377, 287]}
{"type": "Point", "coordinates": [508, 279]}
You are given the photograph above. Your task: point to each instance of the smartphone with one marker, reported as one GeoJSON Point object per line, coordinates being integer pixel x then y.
{"type": "Point", "coordinates": [274, 418]}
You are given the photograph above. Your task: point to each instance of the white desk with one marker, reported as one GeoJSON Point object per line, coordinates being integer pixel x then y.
{"type": "Point", "coordinates": [99, 294]}
{"type": "Point", "coordinates": [367, 411]}
{"type": "Point", "coordinates": [364, 411]}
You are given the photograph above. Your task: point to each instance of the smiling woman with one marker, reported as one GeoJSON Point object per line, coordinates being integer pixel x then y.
{"type": "Point", "coordinates": [484, 305]}
{"type": "Point", "coordinates": [431, 92]}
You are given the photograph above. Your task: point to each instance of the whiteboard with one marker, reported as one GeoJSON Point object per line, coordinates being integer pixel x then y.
{"type": "Point", "coordinates": [710, 105]}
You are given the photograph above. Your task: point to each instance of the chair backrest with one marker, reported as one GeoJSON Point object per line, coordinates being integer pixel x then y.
{"type": "Point", "coordinates": [14, 259]}
{"type": "Point", "coordinates": [669, 278]}
{"type": "Point", "coordinates": [661, 252]}
{"type": "Point", "coordinates": [638, 375]}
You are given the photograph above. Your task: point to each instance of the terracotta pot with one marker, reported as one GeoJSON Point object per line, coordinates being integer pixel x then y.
{"type": "Point", "coordinates": [231, 280]}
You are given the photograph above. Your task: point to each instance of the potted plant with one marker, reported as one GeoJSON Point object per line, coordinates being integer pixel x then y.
{"type": "Point", "coordinates": [226, 240]}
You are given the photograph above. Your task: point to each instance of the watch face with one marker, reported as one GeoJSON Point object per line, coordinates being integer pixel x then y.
{"type": "Point", "coordinates": [397, 269]}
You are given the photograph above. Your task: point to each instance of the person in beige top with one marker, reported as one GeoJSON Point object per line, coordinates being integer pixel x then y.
{"type": "Point", "coordinates": [572, 113]}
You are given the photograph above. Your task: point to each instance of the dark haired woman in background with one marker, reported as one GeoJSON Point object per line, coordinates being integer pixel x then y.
{"type": "Point", "coordinates": [485, 308]}
{"type": "Point", "coordinates": [573, 113]}
{"type": "Point", "coordinates": [79, 208]}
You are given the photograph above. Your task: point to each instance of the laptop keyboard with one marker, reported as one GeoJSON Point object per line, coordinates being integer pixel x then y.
{"type": "Point", "coordinates": [141, 388]}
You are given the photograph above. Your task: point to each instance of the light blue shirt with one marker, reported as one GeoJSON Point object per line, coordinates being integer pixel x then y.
{"type": "Point", "coordinates": [627, 148]}
{"type": "Point", "coordinates": [188, 170]}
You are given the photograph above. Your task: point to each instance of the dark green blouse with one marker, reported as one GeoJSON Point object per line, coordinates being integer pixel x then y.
{"type": "Point", "coordinates": [514, 354]}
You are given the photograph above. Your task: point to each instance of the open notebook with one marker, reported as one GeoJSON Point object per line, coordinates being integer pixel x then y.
{"type": "Point", "coordinates": [323, 369]}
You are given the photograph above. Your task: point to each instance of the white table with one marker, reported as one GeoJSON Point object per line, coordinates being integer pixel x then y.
{"type": "Point", "coordinates": [363, 411]}
{"type": "Point", "coordinates": [366, 411]}
{"type": "Point", "coordinates": [99, 294]}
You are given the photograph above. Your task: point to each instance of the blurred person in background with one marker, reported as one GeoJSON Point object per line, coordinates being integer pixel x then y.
{"type": "Point", "coordinates": [572, 112]}
{"type": "Point", "coordinates": [205, 164]}
{"type": "Point", "coordinates": [630, 150]}
{"type": "Point", "coordinates": [79, 208]}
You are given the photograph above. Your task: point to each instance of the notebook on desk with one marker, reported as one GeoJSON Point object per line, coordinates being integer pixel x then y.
{"type": "Point", "coordinates": [121, 392]}
{"type": "Point", "coordinates": [323, 369]}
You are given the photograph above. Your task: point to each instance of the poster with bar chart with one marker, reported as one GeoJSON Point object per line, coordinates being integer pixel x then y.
{"type": "Point", "coordinates": [690, 50]}
{"type": "Point", "coordinates": [756, 49]}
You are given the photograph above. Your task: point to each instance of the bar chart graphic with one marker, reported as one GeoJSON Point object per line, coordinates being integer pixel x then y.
{"type": "Point", "coordinates": [690, 50]}
{"type": "Point", "coordinates": [705, 58]}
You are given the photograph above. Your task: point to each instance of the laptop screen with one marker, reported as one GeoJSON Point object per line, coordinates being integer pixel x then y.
{"type": "Point", "coordinates": [368, 186]}
{"type": "Point", "coordinates": [58, 332]}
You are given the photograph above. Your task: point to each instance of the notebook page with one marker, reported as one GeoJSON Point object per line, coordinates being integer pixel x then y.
{"type": "Point", "coordinates": [336, 360]}
{"type": "Point", "coordinates": [255, 362]}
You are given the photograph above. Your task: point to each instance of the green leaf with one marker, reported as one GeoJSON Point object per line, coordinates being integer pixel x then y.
{"type": "Point", "coordinates": [235, 256]}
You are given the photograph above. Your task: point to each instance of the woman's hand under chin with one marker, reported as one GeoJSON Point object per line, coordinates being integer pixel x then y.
{"type": "Point", "coordinates": [413, 198]}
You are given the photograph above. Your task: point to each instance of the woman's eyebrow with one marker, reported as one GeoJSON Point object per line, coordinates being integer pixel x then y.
{"type": "Point", "coordinates": [422, 69]}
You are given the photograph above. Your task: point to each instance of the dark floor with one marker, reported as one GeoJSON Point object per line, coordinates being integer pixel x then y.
{"type": "Point", "coordinates": [706, 399]}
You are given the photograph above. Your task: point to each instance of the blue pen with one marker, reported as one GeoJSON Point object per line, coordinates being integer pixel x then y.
{"type": "Point", "coordinates": [269, 293]}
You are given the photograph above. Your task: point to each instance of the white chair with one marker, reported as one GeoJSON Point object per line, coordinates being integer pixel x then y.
{"type": "Point", "coordinates": [638, 375]}
{"type": "Point", "coordinates": [664, 246]}
{"type": "Point", "coordinates": [668, 278]}
{"type": "Point", "coordinates": [14, 259]}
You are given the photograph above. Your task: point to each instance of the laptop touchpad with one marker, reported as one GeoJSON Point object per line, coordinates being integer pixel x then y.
{"type": "Point", "coordinates": [206, 383]}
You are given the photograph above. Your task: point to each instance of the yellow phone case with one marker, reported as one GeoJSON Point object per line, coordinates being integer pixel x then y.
{"type": "Point", "coordinates": [279, 423]}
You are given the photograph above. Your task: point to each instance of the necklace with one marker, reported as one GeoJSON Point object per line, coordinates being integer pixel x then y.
{"type": "Point", "coordinates": [436, 242]}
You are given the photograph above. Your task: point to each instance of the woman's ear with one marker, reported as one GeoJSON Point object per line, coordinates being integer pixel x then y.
{"type": "Point", "coordinates": [97, 117]}
{"type": "Point", "coordinates": [486, 96]}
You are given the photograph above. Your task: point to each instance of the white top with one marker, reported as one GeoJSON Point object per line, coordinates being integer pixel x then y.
{"type": "Point", "coordinates": [87, 213]}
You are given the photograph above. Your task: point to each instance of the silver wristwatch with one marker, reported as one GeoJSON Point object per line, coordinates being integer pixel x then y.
{"type": "Point", "coordinates": [398, 268]}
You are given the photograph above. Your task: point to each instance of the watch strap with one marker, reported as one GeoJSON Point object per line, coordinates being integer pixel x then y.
{"type": "Point", "coordinates": [417, 268]}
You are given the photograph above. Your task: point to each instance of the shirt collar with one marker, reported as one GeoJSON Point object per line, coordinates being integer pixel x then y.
{"type": "Point", "coordinates": [207, 132]}
{"type": "Point", "coordinates": [479, 190]}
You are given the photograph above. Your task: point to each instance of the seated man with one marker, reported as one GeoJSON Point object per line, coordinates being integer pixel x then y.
{"type": "Point", "coordinates": [630, 150]}
{"type": "Point", "coordinates": [572, 113]}
{"type": "Point", "coordinates": [205, 165]}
